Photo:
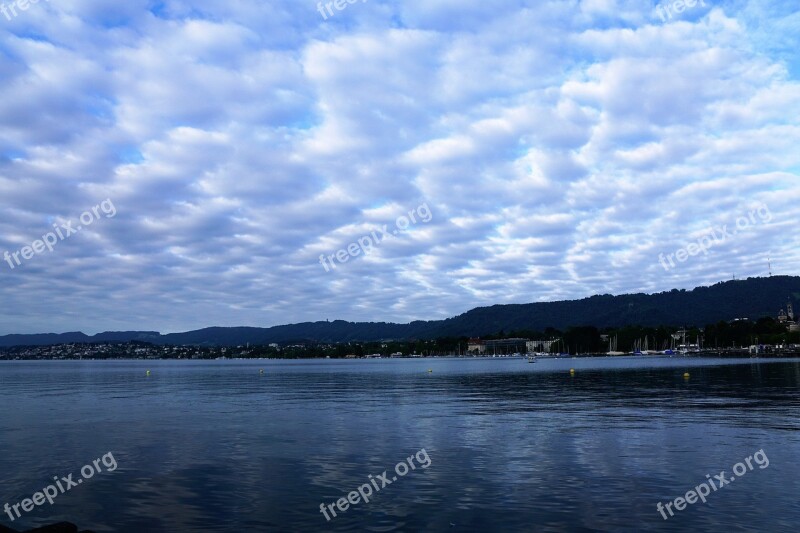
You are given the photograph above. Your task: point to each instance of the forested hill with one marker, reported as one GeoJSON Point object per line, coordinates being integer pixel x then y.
{"type": "Point", "coordinates": [751, 298]}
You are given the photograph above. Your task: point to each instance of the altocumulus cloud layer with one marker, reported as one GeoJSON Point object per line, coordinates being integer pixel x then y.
{"type": "Point", "coordinates": [560, 145]}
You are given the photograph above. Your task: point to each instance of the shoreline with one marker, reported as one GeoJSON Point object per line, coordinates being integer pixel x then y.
{"type": "Point", "coordinates": [715, 354]}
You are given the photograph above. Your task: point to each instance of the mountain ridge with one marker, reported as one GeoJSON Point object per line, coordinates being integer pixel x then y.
{"type": "Point", "coordinates": [751, 298]}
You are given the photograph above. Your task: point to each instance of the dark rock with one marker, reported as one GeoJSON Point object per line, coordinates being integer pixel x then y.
{"type": "Point", "coordinates": [61, 527]}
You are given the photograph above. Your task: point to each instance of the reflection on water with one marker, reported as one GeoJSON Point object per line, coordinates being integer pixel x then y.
{"type": "Point", "coordinates": [214, 446]}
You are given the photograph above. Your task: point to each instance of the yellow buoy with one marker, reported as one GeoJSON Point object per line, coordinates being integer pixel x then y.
{"type": "Point", "coordinates": [686, 375]}
{"type": "Point", "coordinates": [571, 370]}
{"type": "Point", "coordinates": [148, 373]}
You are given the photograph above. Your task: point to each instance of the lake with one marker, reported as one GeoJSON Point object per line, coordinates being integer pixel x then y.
{"type": "Point", "coordinates": [496, 444]}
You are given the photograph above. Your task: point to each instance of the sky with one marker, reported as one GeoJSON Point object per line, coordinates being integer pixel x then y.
{"type": "Point", "coordinates": [263, 162]}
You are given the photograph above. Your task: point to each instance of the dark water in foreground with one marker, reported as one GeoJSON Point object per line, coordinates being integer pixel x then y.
{"type": "Point", "coordinates": [214, 446]}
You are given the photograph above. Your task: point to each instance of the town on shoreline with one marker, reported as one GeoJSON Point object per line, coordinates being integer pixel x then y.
{"type": "Point", "coordinates": [768, 337]}
{"type": "Point", "coordinates": [740, 337]}
{"type": "Point", "coordinates": [134, 351]}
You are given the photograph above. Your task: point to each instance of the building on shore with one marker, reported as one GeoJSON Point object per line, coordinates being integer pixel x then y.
{"type": "Point", "coordinates": [540, 346]}
{"type": "Point", "coordinates": [787, 318]}
{"type": "Point", "coordinates": [497, 346]}
{"type": "Point", "coordinates": [476, 346]}
{"type": "Point", "coordinates": [506, 346]}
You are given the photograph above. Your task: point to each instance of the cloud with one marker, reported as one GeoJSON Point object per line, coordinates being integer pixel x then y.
{"type": "Point", "coordinates": [561, 147]}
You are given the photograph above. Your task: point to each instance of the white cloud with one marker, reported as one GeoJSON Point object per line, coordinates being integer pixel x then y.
{"type": "Point", "coordinates": [561, 146]}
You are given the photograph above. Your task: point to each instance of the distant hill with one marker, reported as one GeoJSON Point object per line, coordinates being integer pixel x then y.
{"type": "Point", "coordinates": [751, 298]}
{"type": "Point", "coordinates": [44, 339]}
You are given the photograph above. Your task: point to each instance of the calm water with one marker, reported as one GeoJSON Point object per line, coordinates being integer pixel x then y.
{"type": "Point", "coordinates": [214, 446]}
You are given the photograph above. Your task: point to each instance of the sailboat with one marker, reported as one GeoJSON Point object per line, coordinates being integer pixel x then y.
{"type": "Point", "coordinates": [612, 347]}
{"type": "Point", "coordinates": [685, 348]}
{"type": "Point", "coordinates": [646, 350]}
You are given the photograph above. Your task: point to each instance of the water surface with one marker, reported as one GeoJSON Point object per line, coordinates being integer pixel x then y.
{"type": "Point", "coordinates": [216, 446]}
